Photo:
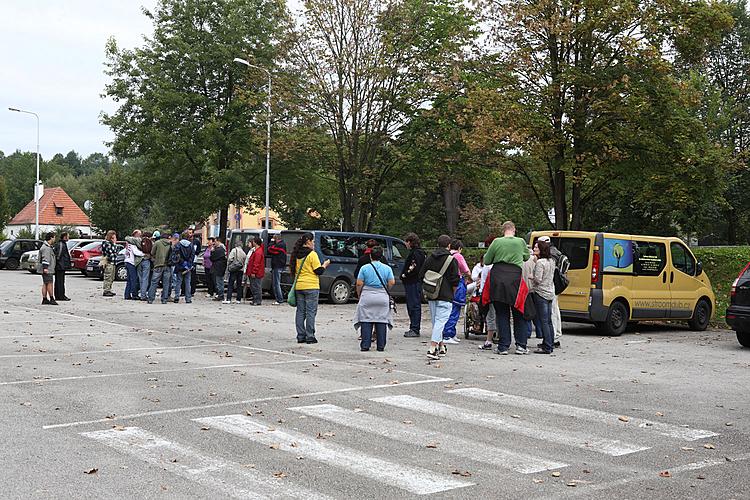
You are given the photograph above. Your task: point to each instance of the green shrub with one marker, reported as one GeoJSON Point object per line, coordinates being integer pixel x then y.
{"type": "Point", "coordinates": [722, 264]}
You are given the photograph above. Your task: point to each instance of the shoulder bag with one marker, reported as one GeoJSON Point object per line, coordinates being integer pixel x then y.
{"type": "Point", "coordinates": [291, 297]}
{"type": "Point", "coordinates": [391, 300]}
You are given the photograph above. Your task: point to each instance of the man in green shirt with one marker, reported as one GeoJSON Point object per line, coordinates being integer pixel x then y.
{"type": "Point", "coordinates": [508, 249]}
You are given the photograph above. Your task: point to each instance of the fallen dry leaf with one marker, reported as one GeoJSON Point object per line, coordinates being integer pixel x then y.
{"type": "Point", "coordinates": [461, 473]}
{"type": "Point", "coordinates": [118, 427]}
{"type": "Point", "coordinates": [700, 477]}
{"type": "Point", "coordinates": [572, 484]}
{"type": "Point", "coordinates": [205, 428]}
{"type": "Point", "coordinates": [538, 481]}
{"type": "Point", "coordinates": [687, 448]}
{"type": "Point", "coordinates": [408, 422]}
{"type": "Point", "coordinates": [709, 446]}
{"type": "Point", "coordinates": [279, 474]}
{"type": "Point", "coordinates": [431, 445]}
{"type": "Point", "coordinates": [91, 471]}
{"type": "Point", "coordinates": [665, 473]}
{"type": "Point", "coordinates": [555, 474]}
{"type": "Point", "coordinates": [622, 418]}
{"type": "Point", "coordinates": [659, 414]}
{"type": "Point", "coordinates": [606, 390]}
{"type": "Point", "coordinates": [274, 446]}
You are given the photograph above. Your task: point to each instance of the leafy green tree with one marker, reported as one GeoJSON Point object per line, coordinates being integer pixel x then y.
{"type": "Point", "coordinates": [115, 201]}
{"type": "Point", "coordinates": [193, 116]}
{"type": "Point", "coordinates": [5, 214]}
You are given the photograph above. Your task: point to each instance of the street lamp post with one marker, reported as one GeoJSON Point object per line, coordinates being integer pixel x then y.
{"type": "Point", "coordinates": [268, 136]}
{"type": "Point", "coordinates": [36, 186]}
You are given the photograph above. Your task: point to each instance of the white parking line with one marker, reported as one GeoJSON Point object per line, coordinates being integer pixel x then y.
{"type": "Point", "coordinates": [412, 479]}
{"type": "Point", "coordinates": [583, 413]}
{"type": "Point", "coordinates": [560, 436]}
{"type": "Point", "coordinates": [472, 450]}
{"type": "Point", "coordinates": [152, 372]}
{"type": "Point", "coordinates": [244, 402]}
{"type": "Point", "coordinates": [130, 349]}
{"type": "Point", "coordinates": [51, 335]}
{"type": "Point", "coordinates": [212, 472]}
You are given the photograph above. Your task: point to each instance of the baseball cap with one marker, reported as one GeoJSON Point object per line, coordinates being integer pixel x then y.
{"type": "Point", "coordinates": [545, 238]}
{"type": "Point", "coordinates": [176, 235]}
{"type": "Point", "coordinates": [156, 234]}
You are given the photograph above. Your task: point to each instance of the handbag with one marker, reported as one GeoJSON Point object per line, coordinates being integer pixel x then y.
{"type": "Point", "coordinates": [291, 297]}
{"type": "Point", "coordinates": [391, 300]}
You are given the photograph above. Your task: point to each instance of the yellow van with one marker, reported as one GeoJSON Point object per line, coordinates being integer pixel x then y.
{"type": "Point", "coordinates": [621, 278]}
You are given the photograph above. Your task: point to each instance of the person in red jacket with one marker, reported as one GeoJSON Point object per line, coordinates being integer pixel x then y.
{"type": "Point", "coordinates": [256, 269]}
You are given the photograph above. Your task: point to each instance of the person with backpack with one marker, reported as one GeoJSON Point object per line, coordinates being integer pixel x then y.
{"type": "Point", "coordinates": [562, 264]}
{"type": "Point", "coordinates": [183, 267]}
{"type": "Point", "coordinates": [62, 264]}
{"type": "Point", "coordinates": [256, 269]}
{"type": "Point", "coordinates": [439, 277]}
{"type": "Point", "coordinates": [412, 285]}
{"type": "Point", "coordinates": [235, 266]}
{"type": "Point", "coordinates": [374, 311]}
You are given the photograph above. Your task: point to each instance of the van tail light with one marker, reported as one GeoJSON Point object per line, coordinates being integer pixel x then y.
{"type": "Point", "coordinates": [595, 268]}
{"type": "Point", "coordinates": [734, 285]}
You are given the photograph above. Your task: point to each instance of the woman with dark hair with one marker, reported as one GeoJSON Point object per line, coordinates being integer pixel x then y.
{"type": "Point", "coordinates": [459, 296]}
{"type": "Point", "coordinates": [364, 259]}
{"type": "Point", "coordinates": [412, 284]}
{"type": "Point", "coordinates": [374, 307]}
{"type": "Point", "coordinates": [543, 291]}
{"type": "Point", "coordinates": [305, 266]}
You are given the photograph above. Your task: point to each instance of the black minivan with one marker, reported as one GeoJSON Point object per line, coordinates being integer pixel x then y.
{"type": "Point", "coordinates": [738, 312]}
{"type": "Point", "coordinates": [11, 251]}
{"type": "Point", "coordinates": [344, 249]}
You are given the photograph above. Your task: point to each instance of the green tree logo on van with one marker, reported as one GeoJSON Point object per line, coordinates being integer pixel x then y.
{"type": "Point", "coordinates": [617, 252]}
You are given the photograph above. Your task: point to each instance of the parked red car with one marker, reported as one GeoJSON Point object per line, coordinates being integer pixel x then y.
{"type": "Point", "coordinates": [80, 256]}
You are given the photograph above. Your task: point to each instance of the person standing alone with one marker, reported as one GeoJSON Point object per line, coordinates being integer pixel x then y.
{"type": "Point", "coordinates": [46, 268]}
{"type": "Point", "coordinates": [62, 264]}
{"type": "Point", "coordinates": [412, 286]}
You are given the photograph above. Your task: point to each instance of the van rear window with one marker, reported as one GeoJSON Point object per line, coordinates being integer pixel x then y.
{"type": "Point", "coordinates": [575, 249]}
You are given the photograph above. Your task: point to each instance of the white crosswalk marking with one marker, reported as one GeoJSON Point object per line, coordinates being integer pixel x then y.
{"type": "Point", "coordinates": [472, 450]}
{"type": "Point", "coordinates": [413, 479]}
{"type": "Point", "coordinates": [583, 413]}
{"type": "Point", "coordinates": [212, 472]}
{"type": "Point", "coordinates": [561, 436]}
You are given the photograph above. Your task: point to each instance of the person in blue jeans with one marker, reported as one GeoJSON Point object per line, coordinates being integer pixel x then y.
{"type": "Point", "coordinates": [441, 306]}
{"type": "Point", "coordinates": [219, 267]}
{"type": "Point", "coordinates": [412, 286]}
{"type": "Point", "coordinates": [543, 291]}
{"type": "Point", "coordinates": [374, 306]}
{"type": "Point", "coordinates": [459, 296]}
{"type": "Point", "coordinates": [182, 271]}
{"type": "Point", "coordinates": [305, 265]}
{"type": "Point", "coordinates": [144, 268]}
{"type": "Point", "coordinates": [277, 252]}
{"type": "Point", "coordinates": [160, 254]}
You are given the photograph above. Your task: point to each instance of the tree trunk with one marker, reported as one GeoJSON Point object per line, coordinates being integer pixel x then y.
{"type": "Point", "coordinates": [561, 208]}
{"type": "Point", "coordinates": [451, 200]}
{"type": "Point", "coordinates": [732, 226]}
{"type": "Point", "coordinates": [223, 222]}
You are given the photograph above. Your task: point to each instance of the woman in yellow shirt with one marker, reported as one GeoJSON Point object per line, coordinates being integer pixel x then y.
{"type": "Point", "coordinates": [308, 286]}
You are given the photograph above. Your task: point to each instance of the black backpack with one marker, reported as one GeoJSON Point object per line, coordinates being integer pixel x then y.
{"type": "Point", "coordinates": [560, 279]}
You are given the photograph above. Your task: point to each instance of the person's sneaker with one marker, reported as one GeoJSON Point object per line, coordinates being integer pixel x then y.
{"type": "Point", "coordinates": [218, 299]}
{"type": "Point", "coordinates": [487, 346]}
{"type": "Point", "coordinates": [411, 334]}
{"type": "Point", "coordinates": [209, 295]}
{"type": "Point", "coordinates": [45, 302]}
{"type": "Point", "coordinates": [502, 353]}
{"type": "Point", "coordinates": [542, 351]}
{"type": "Point", "coordinates": [225, 302]}
{"type": "Point", "coordinates": [301, 341]}
{"type": "Point", "coordinates": [150, 301]}
{"type": "Point", "coordinates": [238, 302]}
{"type": "Point", "coordinates": [66, 299]}
{"type": "Point", "coordinates": [442, 351]}
{"type": "Point", "coordinates": [556, 344]}
{"type": "Point", "coordinates": [450, 340]}
{"type": "Point", "coordinates": [432, 353]}
{"type": "Point", "coordinates": [163, 301]}
{"type": "Point", "coordinates": [521, 350]}
{"type": "Point", "coordinates": [53, 302]}
{"type": "Point", "coordinates": [311, 341]}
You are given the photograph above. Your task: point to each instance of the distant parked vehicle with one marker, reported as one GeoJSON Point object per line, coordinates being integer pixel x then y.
{"type": "Point", "coordinates": [80, 256]}
{"type": "Point", "coordinates": [12, 250]}
{"type": "Point", "coordinates": [94, 271]}
{"type": "Point", "coordinates": [738, 312]}
{"type": "Point", "coordinates": [29, 259]}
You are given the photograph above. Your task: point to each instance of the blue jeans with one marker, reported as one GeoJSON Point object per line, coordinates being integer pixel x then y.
{"type": "Point", "coordinates": [163, 273]}
{"type": "Point", "coordinates": [543, 321]}
{"type": "Point", "coordinates": [219, 282]}
{"type": "Point", "coordinates": [414, 305]}
{"type": "Point", "coordinates": [144, 275]}
{"type": "Point", "coordinates": [307, 308]}
{"type": "Point", "coordinates": [440, 311]}
{"type": "Point", "coordinates": [459, 300]}
{"type": "Point", "coordinates": [177, 284]}
{"type": "Point", "coordinates": [520, 330]}
{"type": "Point", "coordinates": [380, 332]}
{"type": "Point", "coordinates": [277, 292]}
{"type": "Point", "coordinates": [131, 286]}
{"type": "Point", "coordinates": [235, 284]}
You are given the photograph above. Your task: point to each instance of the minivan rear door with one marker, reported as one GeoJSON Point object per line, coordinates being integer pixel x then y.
{"type": "Point", "coordinates": [399, 252]}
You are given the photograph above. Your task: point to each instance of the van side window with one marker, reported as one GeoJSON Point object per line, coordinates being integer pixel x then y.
{"type": "Point", "coordinates": [575, 249]}
{"type": "Point", "coordinates": [399, 251]}
{"type": "Point", "coordinates": [649, 258]}
{"type": "Point", "coordinates": [682, 259]}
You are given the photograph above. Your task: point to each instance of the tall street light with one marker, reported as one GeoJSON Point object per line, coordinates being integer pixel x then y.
{"type": "Point", "coordinates": [36, 186]}
{"type": "Point", "coordinates": [268, 136]}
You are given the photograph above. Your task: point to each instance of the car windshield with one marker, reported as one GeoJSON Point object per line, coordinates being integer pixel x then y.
{"type": "Point", "coordinates": [5, 245]}
{"type": "Point", "coordinates": [91, 246]}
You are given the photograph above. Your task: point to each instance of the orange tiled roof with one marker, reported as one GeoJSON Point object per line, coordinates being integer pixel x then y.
{"type": "Point", "coordinates": [53, 198]}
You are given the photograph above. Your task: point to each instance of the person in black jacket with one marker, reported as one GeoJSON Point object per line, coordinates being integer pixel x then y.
{"type": "Point", "coordinates": [441, 307]}
{"type": "Point", "coordinates": [412, 286]}
{"type": "Point", "coordinates": [62, 264]}
{"type": "Point", "coordinates": [365, 259]}
{"type": "Point", "coordinates": [277, 251]}
{"type": "Point", "coordinates": [219, 267]}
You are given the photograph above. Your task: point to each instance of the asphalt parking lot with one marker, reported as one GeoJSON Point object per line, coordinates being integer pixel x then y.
{"type": "Point", "coordinates": [103, 398]}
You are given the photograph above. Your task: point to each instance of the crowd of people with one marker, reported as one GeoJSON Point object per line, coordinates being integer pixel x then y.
{"type": "Point", "coordinates": [514, 284]}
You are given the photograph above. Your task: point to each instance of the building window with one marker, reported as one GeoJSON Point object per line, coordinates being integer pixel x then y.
{"type": "Point", "coordinates": [59, 211]}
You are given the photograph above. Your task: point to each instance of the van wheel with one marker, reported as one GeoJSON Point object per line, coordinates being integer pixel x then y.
{"type": "Point", "coordinates": [701, 316]}
{"type": "Point", "coordinates": [617, 319]}
{"type": "Point", "coordinates": [744, 338]}
{"type": "Point", "coordinates": [340, 292]}
{"type": "Point", "coordinates": [121, 273]}
{"type": "Point", "coordinates": [11, 264]}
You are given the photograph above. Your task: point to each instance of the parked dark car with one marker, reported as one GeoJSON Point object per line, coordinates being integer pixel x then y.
{"type": "Point", "coordinates": [29, 259]}
{"type": "Point", "coordinates": [344, 249]}
{"type": "Point", "coordinates": [11, 251]}
{"type": "Point", "coordinates": [94, 271]}
{"type": "Point", "coordinates": [738, 312]}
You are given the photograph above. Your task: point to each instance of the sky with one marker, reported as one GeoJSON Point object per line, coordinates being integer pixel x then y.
{"type": "Point", "coordinates": [52, 63]}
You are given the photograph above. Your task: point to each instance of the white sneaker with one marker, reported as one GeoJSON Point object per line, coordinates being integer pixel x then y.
{"type": "Point", "coordinates": [208, 296]}
{"type": "Point", "coordinates": [225, 302]}
{"type": "Point", "coordinates": [521, 350]}
{"type": "Point", "coordinates": [450, 341]}
{"type": "Point", "coordinates": [238, 302]}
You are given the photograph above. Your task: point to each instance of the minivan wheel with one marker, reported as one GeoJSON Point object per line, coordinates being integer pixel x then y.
{"type": "Point", "coordinates": [11, 264]}
{"type": "Point", "coordinates": [340, 292]}
{"type": "Point", "coordinates": [744, 338]}
{"type": "Point", "coordinates": [617, 319]}
{"type": "Point", "coordinates": [701, 316]}
{"type": "Point", "coordinates": [121, 273]}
